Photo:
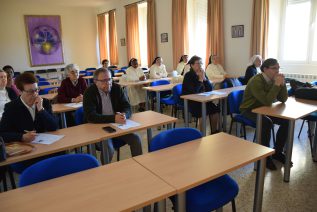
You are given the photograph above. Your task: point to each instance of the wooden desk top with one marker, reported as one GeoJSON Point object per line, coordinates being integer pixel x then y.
{"type": "Point", "coordinates": [119, 186]}
{"type": "Point", "coordinates": [292, 109]}
{"type": "Point", "coordinates": [50, 86]}
{"type": "Point", "coordinates": [61, 108]}
{"type": "Point", "coordinates": [49, 96]}
{"type": "Point", "coordinates": [119, 74]}
{"type": "Point", "coordinates": [85, 134]}
{"type": "Point", "coordinates": [88, 77]}
{"type": "Point", "coordinates": [161, 87]}
{"type": "Point", "coordinates": [201, 98]}
{"type": "Point", "coordinates": [193, 163]}
{"type": "Point", "coordinates": [124, 84]}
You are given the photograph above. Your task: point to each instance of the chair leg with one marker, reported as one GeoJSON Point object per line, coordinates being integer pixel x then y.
{"type": "Point", "coordinates": [244, 132]}
{"type": "Point", "coordinates": [301, 128]}
{"type": "Point", "coordinates": [118, 154]}
{"type": "Point", "coordinates": [310, 137]}
{"type": "Point", "coordinates": [274, 138]}
{"type": "Point", "coordinates": [11, 178]}
{"type": "Point", "coordinates": [4, 181]}
{"type": "Point", "coordinates": [196, 123]}
{"type": "Point", "coordinates": [233, 203]}
{"type": "Point", "coordinates": [210, 123]}
{"type": "Point", "coordinates": [231, 124]}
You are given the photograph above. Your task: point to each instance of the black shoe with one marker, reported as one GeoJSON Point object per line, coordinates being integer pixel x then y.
{"type": "Point", "coordinates": [280, 157]}
{"type": "Point", "coordinates": [270, 164]}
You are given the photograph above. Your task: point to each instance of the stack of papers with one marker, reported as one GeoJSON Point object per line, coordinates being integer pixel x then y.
{"type": "Point", "coordinates": [212, 93]}
{"type": "Point", "coordinates": [74, 105]}
{"type": "Point", "coordinates": [127, 125]}
{"type": "Point", "coordinates": [44, 138]}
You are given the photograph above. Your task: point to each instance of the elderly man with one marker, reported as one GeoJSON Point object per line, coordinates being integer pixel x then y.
{"type": "Point", "coordinates": [262, 90]}
{"type": "Point", "coordinates": [106, 102]}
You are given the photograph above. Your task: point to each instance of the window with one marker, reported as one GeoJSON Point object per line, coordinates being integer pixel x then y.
{"type": "Point", "coordinates": [142, 16]}
{"type": "Point", "coordinates": [197, 27]}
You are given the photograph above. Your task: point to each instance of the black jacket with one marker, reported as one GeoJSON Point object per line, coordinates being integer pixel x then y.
{"type": "Point", "coordinates": [11, 93]}
{"type": "Point", "coordinates": [93, 105]}
{"type": "Point", "coordinates": [249, 73]}
{"type": "Point", "coordinates": [16, 118]}
{"type": "Point", "coordinates": [192, 85]}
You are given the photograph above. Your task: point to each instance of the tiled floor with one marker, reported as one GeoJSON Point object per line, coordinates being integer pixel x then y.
{"type": "Point", "coordinates": [300, 194]}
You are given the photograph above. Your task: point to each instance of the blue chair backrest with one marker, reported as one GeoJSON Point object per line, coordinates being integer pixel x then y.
{"type": "Point", "coordinates": [40, 83]}
{"type": "Point", "coordinates": [16, 74]}
{"type": "Point", "coordinates": [88, 73]}
{"type": "Point", "coordinates": [173, 137]}
{"type": "Point", "coordinates": [90, 69]}
{"type": "Point", "coordinates": [314, 83]}
{"type": "Point", "coordinates": [124, 67]}
{"type": "Point", "coordinates": [234, 101]}
{"type": "Point", "coordinates": [56, 167]}
{"type": "Point", "coordinates": [46, 90]}
{"type": "Point", "coordinates": [242, 80]}
{"type": "Point", "coordinates": [83, 72]}
{"type": "Point", "coordinates": [42, 79]}
{"type": "Point", "coordinates": [119, 71]}
{"type": "Point", "coordinates": [230, 82]}
{"type": "Point", "coordinates": [160, 82]}
{"type": "Point", "coordinates": [177, 92]}
{"type": "Point", "coordinates": [79, 116]}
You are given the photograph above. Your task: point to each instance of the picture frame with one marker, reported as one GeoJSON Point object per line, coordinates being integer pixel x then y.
{"type": "Point", "coordinates": [122, 41]}
{"type": "Point", "coordinates": [44, 38]}
{"type": "Point", "coordinates": [164, 37]}
{"type": "Point", "coordinates": [237, 31]}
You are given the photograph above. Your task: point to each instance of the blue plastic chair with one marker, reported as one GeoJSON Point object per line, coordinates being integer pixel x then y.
{"type": "Point", "coordinates": [90, 69]}
{"type": "Point", "coordinates": [230, 82]}
{"type": "Point", "coordinates": [242, 80]}
{"type": "Point", "coordinates": [124, 67]}
{"type": "Point", "coordinates": [234, 102]}
{"type": "Point", "coordinates": [83, 72]}
{"type": "Point", "coordinates": [41, 79]}
{"type": "Point", "coordinates": [163, 94]}
{"type": "Point", "coordinates": [208, 196]}
{"type": "Point", "coordinates": [174, 99]}
{"type": "Point", "coordinates": [40, 83]}
{"type": "Point", "coordinates": [119, 71]}
{"type": "Point", "coordinates": [56, 167]}
{"type": "Point", "coordinates": [117, 143]}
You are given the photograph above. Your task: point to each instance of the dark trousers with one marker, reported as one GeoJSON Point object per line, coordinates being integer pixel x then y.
{"type": "Point", "coordinates": [267, 124]}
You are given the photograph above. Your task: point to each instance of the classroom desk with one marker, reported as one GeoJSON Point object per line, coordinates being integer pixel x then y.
{"type": "Point", "coordinates": [50, 86]}
{"type": "Point", "coordinates": [291, 110]}
{"type": "Point", "coordinates": [148, 81]}
{"type": "Point", "coordinates": [62, 109]}
{"type": "Point", "coordinates": [157, 90]}
{"type": "Point", "coordinates": [204, 99]}
{"type": "Point", "coordinates": [88, 78]}
{"type": "Point", "coordinates": [86, 134]}
{"type": "Point", "coordinates": [118, 74]}
{"type": "Point", "coordinates": [190, 164]}
{"type": "Point", "coordinates": [120, 186]}
{"type": "Point", "coordinates": [49, 96]}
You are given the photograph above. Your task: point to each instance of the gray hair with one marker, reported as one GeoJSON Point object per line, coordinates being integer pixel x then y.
{"type": "Point", "coordinates": [254, 57]}
{"type": "Point", "coordinates": [101, 70]}
{"type": "Point", "coordinates": [70, 67]}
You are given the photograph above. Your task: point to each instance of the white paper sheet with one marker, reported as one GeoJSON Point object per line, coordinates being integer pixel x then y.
{"type": "Point", "coordinates": [211, 93]}
{"type": "Point", "coordinates": [44, 138]}
{"type": "Point", "coordinates": [127, 125]}
{"type": "Point", "coordinates": [74, 105]}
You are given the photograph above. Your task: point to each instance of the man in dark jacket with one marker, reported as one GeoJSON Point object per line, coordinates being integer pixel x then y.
{"type": "Point", "coordinates": [106, 102]}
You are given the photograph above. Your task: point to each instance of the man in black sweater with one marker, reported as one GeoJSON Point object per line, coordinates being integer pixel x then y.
{"type": "Point", "coordinates": [106, 102]}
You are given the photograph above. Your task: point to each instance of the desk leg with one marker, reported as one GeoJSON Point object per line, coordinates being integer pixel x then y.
{"type": "Point", "coordinates": [259, 184]}
{"type": "Point", "coordinates": [92, 149]}
{"type": "Point", "coordinates": [161, 206]}
{"type": "Point", "coordinates": [315, 144]}
{"type": "Point", "coordinates": [63, 118]}
{"type": "Point", "coordinates": [258, 132]}
{"type": "Point", "coordinates": [147, 100]}
{"type": "Point", "coordinates": [225, 115]}
{"type": "Point", "coordinates": [158, 101]}
{"type": "Point", "coordinates": [180, 202]}
{"type": "Point", "coordinates": [104, 152]}
{"type": "Point", "coordinates": [169, 126]}
{"type": "Point", "coordinates": [221, 115]}
{"type": "Point", "coordinates": [186, 112]}
{"type": "Point", "coordinates": [149, 138]}
{"type": "Point", "coordinates": [289, 149]}
{"type": "Point", "coordinates": [203, 112]}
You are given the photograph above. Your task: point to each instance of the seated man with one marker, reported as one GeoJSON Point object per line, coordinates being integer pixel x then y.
{"type": "Point", "coordinates": [262, 90]}
{"type": "Point", "coordinates": [105, 102]}
{"type": "Point", "coordinates": [27, 115]}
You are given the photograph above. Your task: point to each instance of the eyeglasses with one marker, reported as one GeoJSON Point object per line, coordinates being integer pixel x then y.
{"type": "Point", "coordinates": [275, 68]}
{"type": "Point", "coordinates": [104, 80]}
{"type": "Point", "coordinates": [32, 91]}
{"type": "Point", "coordinates": [74, 72]}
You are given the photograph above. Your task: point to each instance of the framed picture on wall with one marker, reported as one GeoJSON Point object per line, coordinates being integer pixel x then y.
{"type": "Point", "coordinates": [122, 41]}
{"type": "Point", "coordinates": [237, 31]}
{"type": "Point", "coordinates": [164, 37]}
{"type": "Point", "coordinates": [44, 37]}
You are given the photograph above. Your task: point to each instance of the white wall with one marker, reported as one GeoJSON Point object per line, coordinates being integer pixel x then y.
{"type": "Point", "coordinates": [78, 34]}
{"type": "Point", "coordinates": [164, 24]}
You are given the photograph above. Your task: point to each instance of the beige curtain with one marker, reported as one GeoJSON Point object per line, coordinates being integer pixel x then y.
{"type": "Point", "coordinates": [113, 43]}
{"type": "Point", "coordinates": [260, 26]}
{"type": "Point", "coordinates": [215, 37]}
{"type": "Point", "coordinates": [151, 31]}
{"type": "Point", "coordinates": [180, 32]}
{"type": "Point", "coordinates": [132, 32]}
{"type": "Point", "coordinates": [102, 37]}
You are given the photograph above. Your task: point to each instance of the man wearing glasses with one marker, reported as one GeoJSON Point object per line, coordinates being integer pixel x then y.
{"type": "Point", "coordinates": [106, 102]}
{"type": "Point", "coordinates": [262, 90]}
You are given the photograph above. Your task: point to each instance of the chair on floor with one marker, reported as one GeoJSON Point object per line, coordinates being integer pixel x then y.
{"type": "Point", "coordinates": [41, 83]}
{"type": "Point", "coordinates": [242, 80]}
{"type": "Point", "coordinates": [117, 143]}
{"type": "Point", "coordinates": [56, 167]}
{"type": "Point", "coordinates": [234, 102]}
{"type": "Point", "coordinates": [163, 94]}
{"type": "Point", "coordinates": [208, 196]}
{"type": "Point", "coordinates": [174, 100]}
{"type": "Point", "coordinates": [90, 69]}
